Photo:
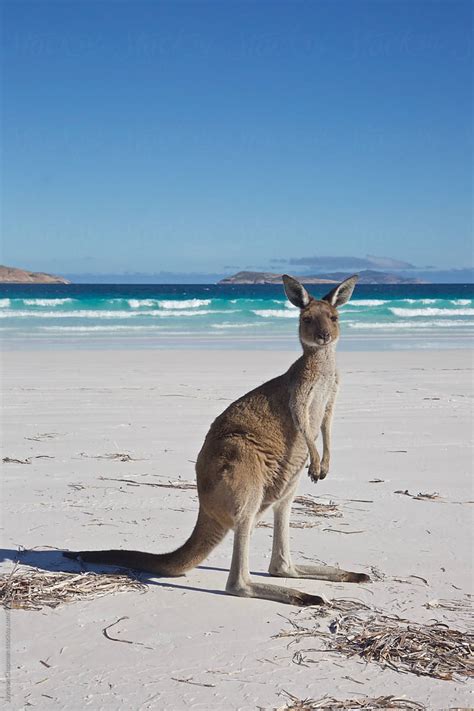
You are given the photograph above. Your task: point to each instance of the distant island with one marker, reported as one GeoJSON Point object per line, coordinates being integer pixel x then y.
{"type": "Point", "coordinates": [11, 275]}
{"type": "Point", "coordinates": [367, 276]}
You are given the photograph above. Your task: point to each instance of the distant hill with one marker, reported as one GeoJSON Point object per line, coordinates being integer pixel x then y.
{"type": "Point", "coordinates": [367, 276]}
{"type": "Point", "coordinates": [11, 275]}
{"type": "Point", "coordinates": [269, 278]}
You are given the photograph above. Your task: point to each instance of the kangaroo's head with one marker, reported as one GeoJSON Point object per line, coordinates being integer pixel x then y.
{"type": "Point", "coordinates": [319, 322]}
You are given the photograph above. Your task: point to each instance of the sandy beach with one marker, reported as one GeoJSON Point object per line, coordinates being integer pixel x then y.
{"type": "Point", "coordinates": [402, 428]}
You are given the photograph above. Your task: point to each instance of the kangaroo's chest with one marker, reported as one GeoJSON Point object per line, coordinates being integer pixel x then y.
{"type": "Point", "coordinates": [289, 467]}
{"type": "Point", "coordinates": [323, 390]}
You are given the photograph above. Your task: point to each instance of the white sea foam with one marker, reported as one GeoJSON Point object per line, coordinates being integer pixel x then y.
{"type": "Point", "coordinates": [102, 327]}
{"type": "Point", "coordinates": [98, 314]}
{"type": "Point", "coordinates": [275, 313]}
{"type": "Point", "coordinates": [204, 312]}
{"type": "Point", "coordinates": [238, 325]}
{"type": "Point", "coordinates": [430, 311]}
{"type": "Point", "coordinates": [169, 304]}
{"type": "Point", "coordinates": [455, 302]}
{"type": "Point", "coordinates": [419, 301]}
{"type": "Point", "coordinates": [81, 313]}
{"type": "Point", "coordinates": [4, 303]}
{"type": "Point", "coordinates": [138, 303]}
{"type": "Point", "coordinates": [410, 324]}
{"type": "Point", "coordinates": [184, 304]}
{"type": "Point", "coordinates": [46, 302]}
{"type": "Point", "coordinates": [354, 302]}
{"type": "Point", "coordinates": [368, 302]}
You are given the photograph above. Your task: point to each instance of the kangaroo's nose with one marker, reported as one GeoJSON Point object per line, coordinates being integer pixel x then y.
{"type": "Point", "coordinates": [325, 335]}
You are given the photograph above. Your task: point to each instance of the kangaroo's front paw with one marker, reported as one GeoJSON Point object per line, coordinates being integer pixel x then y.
{"type": "Point", "coordinates": [314, 471]}
{"type": "Point", "coordinates": [324, 468]}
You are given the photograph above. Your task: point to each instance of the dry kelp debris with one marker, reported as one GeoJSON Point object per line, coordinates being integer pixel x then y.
{"type": "Point", "coordinates": [168, 485]}
{"type": "Point", "coordinates": [435, 496]}
{"type": "Point", "coordinates": [462, 608]}
{"type": "Point", "coordinates": [12, 460]}
{"type": "Point", "coordinates": [308, 506]}
{"type": "Point", "coordinates": [118, 456]}
{"type": "Point", "coordinates": [293, 524]}
{"type": "Point", "coordinates": [432, 649]}
{"type": "Point", "coordinates": [329, 703]}
{"type": "Point", "coordinates": [42, 436]}
{"type": "Point", "coordinates": [425, 649]}
{"type": "Point", "coordinates": [342, 605]}
{"type": "Point", "coordinates": [31, 589]}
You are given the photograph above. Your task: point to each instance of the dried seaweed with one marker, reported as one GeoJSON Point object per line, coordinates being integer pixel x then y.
{"type": "Point", "coordinates": [193, 683]}
{"type": "Point", "coordinates": [41, 437]}
{"type": "Point", "coordinates": [119, 456]}
{"type": "Point", "coordinates": [308, 505]}
{"type": "Point", "coordinates": [27, 460]}
{"type": "Point", "coordinates": [462, 606]}
{"type": "Point", "coordinates": [408, 581]}
{"type": "Point", "coordinates": [337, 530]}
{"type": "Point", "coordinates": [329, 703]}
{"type": "Point", "coordinates": [106, 634]}
{"type": "Point", "coordinates": [31, 589]}
{"type": "Point", "coordinates": [293, 524]}
{"type": "Point", "coordinates": [12, 460]}
{"type": "Point", "coordinates": [425, 649]}
{"type": "Point", "coordinates": [435, 496]}
{"type": "Point", "coordinates": [168, 485]}
{"type": "Point", "coordinates": [342, 605]}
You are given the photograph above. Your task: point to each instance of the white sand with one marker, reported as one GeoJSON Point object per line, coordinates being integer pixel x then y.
{"type": "Point", "coordinates": [404, 418]}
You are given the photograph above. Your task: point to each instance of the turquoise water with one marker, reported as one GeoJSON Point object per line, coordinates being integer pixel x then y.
{"type": "Point", "coordinates": [154, 316]}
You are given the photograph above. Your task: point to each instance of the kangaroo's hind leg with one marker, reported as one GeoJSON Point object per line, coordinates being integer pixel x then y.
{"type": "Point", "coordinates": [281, 564]}
{"type": "Point", "coordinates": [239, 581]}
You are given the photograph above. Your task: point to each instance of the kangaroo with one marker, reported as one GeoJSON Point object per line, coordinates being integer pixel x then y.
{"type": "Point", "coordinates": [252, 458]}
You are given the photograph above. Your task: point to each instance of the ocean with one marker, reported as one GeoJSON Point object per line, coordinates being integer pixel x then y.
{"type": "Point", "coordinates": [106, 316]}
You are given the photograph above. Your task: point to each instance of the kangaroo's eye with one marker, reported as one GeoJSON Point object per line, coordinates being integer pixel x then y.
{"type": "Point", "coordinates": [306, 319]}
{"type": "Point", "coordinates": [333, 318]}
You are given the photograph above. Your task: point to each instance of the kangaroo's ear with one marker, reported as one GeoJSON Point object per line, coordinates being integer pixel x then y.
{"type": "Point", "coordinates": [343, 292]}
{"type": "Point", "coordinates": [296, 292]}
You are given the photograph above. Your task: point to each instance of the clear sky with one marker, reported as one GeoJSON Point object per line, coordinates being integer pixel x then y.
{"type": "Point", "coordinates": [199, 136]}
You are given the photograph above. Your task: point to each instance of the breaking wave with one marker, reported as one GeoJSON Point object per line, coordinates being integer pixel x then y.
{"type": "Point", "coordinates": [90, 313]}
{"type": "Point", "coordinates": [138, 303]}
{"type": "Point", "coordinates": [278, 313]}
{"type": "Point", "coordinates": [46, 302]}
{"type": "Point", "coordinates": [184, 304]}
{"type": "Point", "coordinates": [430, 311]}
{"type": "Point", "coordinates": [102, 327]}
{"type": "Point", "coordinates": [410, 324]}
{"type": "Point", "coordinates": [368, 302]}
{"type": "Point", "coordinates": [237, 325]}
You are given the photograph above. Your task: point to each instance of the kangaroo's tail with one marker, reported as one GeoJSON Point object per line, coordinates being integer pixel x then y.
{"type": "Point", "coordinates": [205, 537]}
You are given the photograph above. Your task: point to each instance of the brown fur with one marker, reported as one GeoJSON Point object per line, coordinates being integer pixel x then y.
{"type": "Point", "coordinates": [252, 458]}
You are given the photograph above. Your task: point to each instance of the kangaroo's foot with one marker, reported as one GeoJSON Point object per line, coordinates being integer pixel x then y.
{"type": "Point", "coordinates": [318, 572]}
{"type": "Point", "coordinates": [277, 593]}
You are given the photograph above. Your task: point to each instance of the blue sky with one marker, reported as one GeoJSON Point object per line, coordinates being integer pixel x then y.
{"type": "Point", "coordinates": [213, 136]}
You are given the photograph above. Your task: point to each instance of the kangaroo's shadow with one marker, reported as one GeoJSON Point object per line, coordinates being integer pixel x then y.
{"type": "Point", "coordinates": [52, 560]}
